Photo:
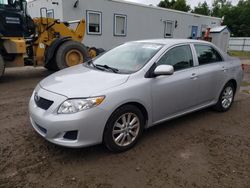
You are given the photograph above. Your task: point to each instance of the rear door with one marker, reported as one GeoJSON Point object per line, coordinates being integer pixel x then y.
{"type": "Point", "coordinates": [212, 72]}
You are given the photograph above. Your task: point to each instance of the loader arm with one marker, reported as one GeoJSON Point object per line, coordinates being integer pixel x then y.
{"type": "Point", "coordinates": [49, 29]}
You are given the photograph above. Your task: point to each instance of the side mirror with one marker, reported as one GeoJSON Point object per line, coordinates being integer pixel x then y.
{"type": "Point", "coordinates": [164, 70]}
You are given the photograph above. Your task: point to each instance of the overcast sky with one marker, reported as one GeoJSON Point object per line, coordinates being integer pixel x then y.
{"type": "Point", "coordinates": [192, 3]}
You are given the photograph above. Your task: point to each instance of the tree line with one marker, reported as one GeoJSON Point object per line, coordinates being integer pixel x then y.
{"type": "Point", "coordinates": [236, 17]}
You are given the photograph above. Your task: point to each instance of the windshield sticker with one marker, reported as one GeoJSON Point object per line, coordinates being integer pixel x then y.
{"type": "Point", "coordinates": [152, 46]}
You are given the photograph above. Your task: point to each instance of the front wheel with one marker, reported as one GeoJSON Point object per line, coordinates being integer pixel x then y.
{"type": "Point", "coordinates": [2, 66]}
{"type": "Point", "coordinates": [226, 98]}
{"type": "Point", "coordinates": [123, 128]}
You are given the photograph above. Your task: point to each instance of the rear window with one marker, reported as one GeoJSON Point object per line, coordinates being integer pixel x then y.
{"type": "Point", "coordinates": [207, 54]}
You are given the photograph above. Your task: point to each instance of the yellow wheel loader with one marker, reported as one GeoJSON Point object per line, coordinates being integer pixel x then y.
{"type": "Point", "coordinates": [39, 41]}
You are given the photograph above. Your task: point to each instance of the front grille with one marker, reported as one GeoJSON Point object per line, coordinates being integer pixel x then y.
{"type": "Point", "coordinates": [43, 103]}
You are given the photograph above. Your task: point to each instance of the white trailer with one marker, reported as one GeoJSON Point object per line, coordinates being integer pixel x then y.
{"type": "Point", "coordinates": [113, 22]}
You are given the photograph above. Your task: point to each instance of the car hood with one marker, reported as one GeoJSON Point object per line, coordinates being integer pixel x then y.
{"type": "Point", "coordinates": [81, 81]}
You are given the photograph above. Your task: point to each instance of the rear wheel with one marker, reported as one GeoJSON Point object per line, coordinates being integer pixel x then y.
{"type": "Point", "coordinates": [226, 98]}
{"type": "Point", "coordinates": [2, 67]}
{"type": "Point", "coordinates": [71, 53]}
{"type": "Point", "coordinates": [123, 128]}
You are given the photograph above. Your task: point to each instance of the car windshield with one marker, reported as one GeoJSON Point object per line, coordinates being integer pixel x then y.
{"type": "Point", "coordinates": [129, 57]}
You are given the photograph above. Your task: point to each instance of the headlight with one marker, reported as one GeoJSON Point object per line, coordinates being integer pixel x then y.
{"type": "Point", "coordinates": [71, 106]}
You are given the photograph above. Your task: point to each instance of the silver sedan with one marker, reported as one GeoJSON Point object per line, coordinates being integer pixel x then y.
{"type": "Point", "coordinates": [113, 98]}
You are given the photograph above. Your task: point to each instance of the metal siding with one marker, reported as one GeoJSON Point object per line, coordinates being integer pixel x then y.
{"type": "Point", "coordinates": [34, 8]}
{"type": "Point", "coordinates": [239, 44]}
{"type": "Point", "coordinates": [142, 22]}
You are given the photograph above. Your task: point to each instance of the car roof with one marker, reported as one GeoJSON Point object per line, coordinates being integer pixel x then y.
{"type": "Point", "coordinates": [172, 42]}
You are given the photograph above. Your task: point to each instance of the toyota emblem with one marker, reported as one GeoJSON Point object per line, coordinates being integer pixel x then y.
{"type": "Point", "coordinates": [37, 98]}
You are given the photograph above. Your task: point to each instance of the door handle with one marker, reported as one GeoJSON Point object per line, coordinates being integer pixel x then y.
{"type": "Point", "coordinates": [194, 76]}
{"type": "Point", "coordinates": [224, 69]}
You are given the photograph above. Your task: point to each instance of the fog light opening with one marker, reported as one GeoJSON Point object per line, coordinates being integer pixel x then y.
{"type": "Point", "coordinates": [71, 135]}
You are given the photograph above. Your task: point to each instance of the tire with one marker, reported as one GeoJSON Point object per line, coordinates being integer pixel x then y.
{"type": "Point", "coordinates": [71, 53]}
{"type": "Point", "coordinates": [226, 98]}
{"type": "Point", "coordinates": [52, 66]}
{"type": "Point", "coordinates": [100, 51]}
{"type": "Point", "coordinates": [2, 67]}
{"type": "Point", "coordinates": [119, 136]}
{"type": "Point", "coordinates": [92, 52]}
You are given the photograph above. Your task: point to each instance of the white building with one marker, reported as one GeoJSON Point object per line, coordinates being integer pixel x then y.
{"type": "Point", "coordinates": [112, 22]}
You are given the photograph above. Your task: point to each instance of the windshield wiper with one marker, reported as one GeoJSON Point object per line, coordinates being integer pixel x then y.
{"type": "Point", "coordinates": [108, 67]}
{"type": "Point", "coordinates": [101, 67]}
{"type": "Point", "coordinates": [90, 62]}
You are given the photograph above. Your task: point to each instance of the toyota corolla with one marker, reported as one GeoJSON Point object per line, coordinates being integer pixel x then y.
{"type": "Point", "coordinates": [113, 98]}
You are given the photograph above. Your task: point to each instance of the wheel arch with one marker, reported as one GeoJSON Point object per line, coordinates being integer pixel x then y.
{"type": "Point", "coordinates": [140, 106]}
{"type": "Point", "coordinates": [218, 105]}
{"type": "Point", "coordinates": [234, 82]}
{"type": "Point", "coordinates": [52, 49]}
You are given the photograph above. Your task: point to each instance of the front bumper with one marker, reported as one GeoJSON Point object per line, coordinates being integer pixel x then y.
{"type": "Point", "coordinates": [89, 124]}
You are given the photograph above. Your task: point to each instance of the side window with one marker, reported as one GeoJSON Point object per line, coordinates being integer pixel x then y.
{"type": "Point", "coordinates": [207, 54]}
{"type": "Point", "coordinates": [180, 57]}
{"type": "Point", "coordinates": [94, 25]}
{"type": "Point", "coordinates": [50, 14]}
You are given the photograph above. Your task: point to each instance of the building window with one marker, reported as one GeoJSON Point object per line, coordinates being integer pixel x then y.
{"type": "Point", "coordinates": [94, 25]}
{"type": "Point", "coordinates": [169, 27]}
{"type": "Point", "coordinates": [120, 25]}
{"type": "Point", "coordinates": [50, 14]}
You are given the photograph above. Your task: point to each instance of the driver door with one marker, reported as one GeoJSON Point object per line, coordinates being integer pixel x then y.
{"type": "Point", "coordinates": [175, 93]}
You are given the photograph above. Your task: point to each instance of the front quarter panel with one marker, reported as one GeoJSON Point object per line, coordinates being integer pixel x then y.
{"type": "Point", "coordinates": [135, 90]}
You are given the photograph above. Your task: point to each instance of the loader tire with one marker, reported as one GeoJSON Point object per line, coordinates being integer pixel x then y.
{"type": "Point", "coordinates": [93, 52]}
{"type": "Point", "coordinates": [50, 62]}
{"type": "Point", "coordinates": [52, 66]}
{"type": "Point", "coordinates": [71, 53]}
{"type": "Point", "coordinates": [2, 67]}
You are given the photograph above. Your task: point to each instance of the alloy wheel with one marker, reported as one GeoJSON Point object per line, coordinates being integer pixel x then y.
{"type": "Point", "coordinates": [126, 129]}
{"type": "Point", "coordinates": [227, 97]}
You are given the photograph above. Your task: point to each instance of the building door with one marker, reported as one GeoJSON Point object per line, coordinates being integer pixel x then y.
{"type": "Point", "coordinates": [194, 32]}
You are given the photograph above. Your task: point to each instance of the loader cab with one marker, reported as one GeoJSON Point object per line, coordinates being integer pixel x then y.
{"type": "Point", "coordinates": [13, 18]}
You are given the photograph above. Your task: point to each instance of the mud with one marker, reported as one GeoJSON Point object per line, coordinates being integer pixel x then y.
{"type": "Point", "coordinates": [203, 149]}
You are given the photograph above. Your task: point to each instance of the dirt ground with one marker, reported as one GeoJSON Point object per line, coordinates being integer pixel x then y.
{"type": "Point", "coordinates": [203, 149]}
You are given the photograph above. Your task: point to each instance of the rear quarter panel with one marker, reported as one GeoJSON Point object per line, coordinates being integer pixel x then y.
{"type": "Point", "coordinates": [235, 71]}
